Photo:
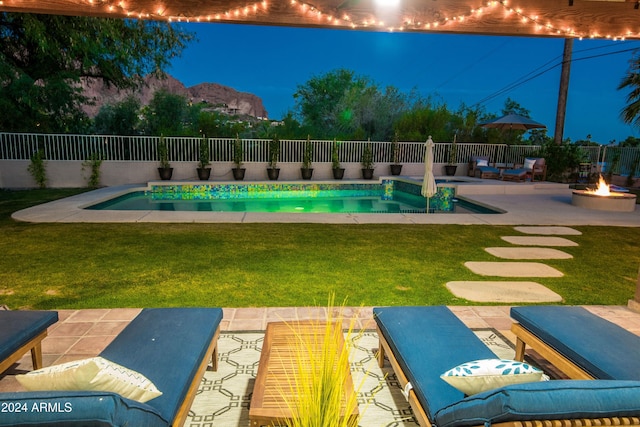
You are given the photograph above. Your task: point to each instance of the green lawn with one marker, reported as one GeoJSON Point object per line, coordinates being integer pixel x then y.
{"type": "Point", "coordinates": [48, 266]}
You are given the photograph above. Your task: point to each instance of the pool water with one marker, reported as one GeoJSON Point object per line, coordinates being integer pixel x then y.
{"type": "Point", "coordinates": [399, 203]}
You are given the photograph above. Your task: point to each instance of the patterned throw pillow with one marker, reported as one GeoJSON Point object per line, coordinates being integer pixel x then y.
{"type": "Point", "coordinates": [94, 374]}
{"type": "Point", "coordinates": [482, 375]}
{"type": "Point", "coordinates": [482, 162]}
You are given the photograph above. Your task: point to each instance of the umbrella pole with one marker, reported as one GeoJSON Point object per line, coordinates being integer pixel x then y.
{"type": "Point", "coordinates": [428, 199]}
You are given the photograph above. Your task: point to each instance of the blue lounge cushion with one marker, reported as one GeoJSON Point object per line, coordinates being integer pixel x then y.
{"type": "Point", "coordinates": [153, 342]}
{"type": "Point", "coordinates": [76, 408]}
{"type": "Point", "coordinates": [598, 346]}
{"type": "Point", "coordinates": [488, 169]}
{"type": "Point", "coordinates": [19, 327]}
{"type": "Point", "coordinates": [427, 341]}
{"type": "Point", "coordinates": [515, 172]}
{"type": "Point", "coordinates": [546, 400]}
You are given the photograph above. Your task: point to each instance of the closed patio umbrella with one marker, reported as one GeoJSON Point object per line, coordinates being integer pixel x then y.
{"type": "Point", "coordinates": [429, 187]}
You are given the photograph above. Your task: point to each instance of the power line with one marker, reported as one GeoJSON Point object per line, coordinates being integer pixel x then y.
{"type": "Point", "coordinates": [522, 80]}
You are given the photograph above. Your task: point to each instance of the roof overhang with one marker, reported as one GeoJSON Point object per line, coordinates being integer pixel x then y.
{"type": "Point", "coordinates": [612, 19]}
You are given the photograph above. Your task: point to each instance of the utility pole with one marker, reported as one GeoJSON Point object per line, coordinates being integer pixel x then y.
{"type": "Point", "coordinates": [564, 90]}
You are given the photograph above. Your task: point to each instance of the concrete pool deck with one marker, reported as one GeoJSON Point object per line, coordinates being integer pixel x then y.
{"type": "Point", "coordinates": [538, 203]}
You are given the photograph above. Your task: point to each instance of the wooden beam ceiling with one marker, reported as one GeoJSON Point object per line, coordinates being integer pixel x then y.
{"type": "Point", "coordinates": [615, 19]}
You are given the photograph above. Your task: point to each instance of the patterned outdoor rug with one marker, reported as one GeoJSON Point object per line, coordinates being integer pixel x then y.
{"type": "Point", "coordinates": [224, 396]}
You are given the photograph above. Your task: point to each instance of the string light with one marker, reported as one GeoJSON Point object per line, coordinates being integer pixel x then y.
{"type": "Point", "coordinates": [408, 24]}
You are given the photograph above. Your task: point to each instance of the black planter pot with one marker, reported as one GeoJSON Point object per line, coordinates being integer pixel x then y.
{"type": "Point", "coordinates": [165, 173]}
{"type": "Point", "coordinates": [307, 173]}
{"type": "Point", "coordinates": [395, 169]}
{"type": "Point", "coordinates": [367, 173]}
{"type": "Point", "coordinates": [450, 170]}
{"type": "Point", "coordinates": [204, 173]}
{"type": "Point", "coordinates": [273, 173]}
{"type": "Point", "coordinates": [238, 173]}
{"type": "Point", "coordinates": [338, 173]}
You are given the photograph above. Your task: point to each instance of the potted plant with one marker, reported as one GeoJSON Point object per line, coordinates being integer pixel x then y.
{"type": "Point", "coordinates": [367, 161]}
{"type": "Point", "coordinates": [203, 160]}
{"type": "Point", "coordinates": [165, 170]}
{"type": "Point", "coordinates": [238, 154]}
{"type": "Point", "coordinates": [274, 152]}
{"type": "Point", "coordinates": [338, 172]}
{"type": "Point", "coordinates": [307, 156]}
{"type": "Point", "coordinates": [396, 168]}
{"type": "Point", "coordinates": [451, 166]}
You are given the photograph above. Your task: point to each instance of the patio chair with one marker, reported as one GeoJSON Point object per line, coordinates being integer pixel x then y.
{"type": "Point", "coordinates": [423, 342]}
{"type": "Point", "coordinates": [577, 342]}
{"type": "Point", "coordinates": [480, 167]}
{"type": "Point", "coordinates": [23, 331]}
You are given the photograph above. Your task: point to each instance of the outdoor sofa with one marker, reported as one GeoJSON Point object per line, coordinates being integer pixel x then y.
{"type": "Point", "coordinates": [22, 331]}
{"type": "Point", "coordinates": [171, 347]}
{"type": "Point", "coordinates": [424, 342]}
{"type": "Point", "coordinates": [577, 342]}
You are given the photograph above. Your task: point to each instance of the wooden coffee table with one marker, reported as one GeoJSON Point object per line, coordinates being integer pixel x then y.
{"type": "Point", "coordinates": [278, 362]}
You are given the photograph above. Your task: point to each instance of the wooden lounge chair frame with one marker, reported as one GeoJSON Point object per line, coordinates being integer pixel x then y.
{"type": "Point", "coordinates": [183, 410]}
{"type": "Point", "coordinates": [421, 415]}
{"type": "Point", "coordinates": [524, 337]}
{"type": "Point", "coordinates": [34, 345]}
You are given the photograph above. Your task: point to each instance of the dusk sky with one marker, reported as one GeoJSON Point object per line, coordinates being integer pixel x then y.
{"type": "Point", "coordinates": [271, 62]}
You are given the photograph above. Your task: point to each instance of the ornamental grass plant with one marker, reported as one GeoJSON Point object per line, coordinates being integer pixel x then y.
{"type": "Point", "coordinates": [320, 392]}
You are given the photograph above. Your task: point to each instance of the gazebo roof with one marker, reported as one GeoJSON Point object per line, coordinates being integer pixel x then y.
{"type": "Point", "coordinates": [614, 19]}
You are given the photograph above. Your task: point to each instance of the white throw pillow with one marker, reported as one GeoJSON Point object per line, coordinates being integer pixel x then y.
{"type": "Point", "coordinates": [482, 375]}
{"type": "Point", "coordinates": [482, 162]}
{"type": "Point", "coordinates": [94, 374]}
{"type": "Point", "coordinates": [529, 163]}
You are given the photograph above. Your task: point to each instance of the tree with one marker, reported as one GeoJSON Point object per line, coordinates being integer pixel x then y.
{"type": "Point", "coordinates": [319, 102]}
{"type": "Point", "coordinates": [166, 114]}
{"type": "Point", "coordinates": [631, 112]}
{"type": "Point", "coordinates": [44, 58]}
{"type": "Point", "coordinates": [119, 119]}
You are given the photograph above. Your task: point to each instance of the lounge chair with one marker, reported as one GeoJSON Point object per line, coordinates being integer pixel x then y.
{"type": "Point", "coordinates": [577, 342]}
{"type": "Point", "coordinates": [23, 331]}
{"type": "Point", "coordinates": [533, 167]}
{"type": "Point", "coordinates": [424, 342]}
{"type": "Point", "coordinates": [480, 167]}
{"type": "Point", "coordinates": [172, 347]}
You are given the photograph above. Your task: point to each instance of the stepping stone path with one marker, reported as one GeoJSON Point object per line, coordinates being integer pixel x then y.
{"type": "Point", "coordinates": [506, 292]}
{"type": "Point", "coordinates": [528, 253]}
{"type": "Point", "coordinates": [513, 269]}
{"type": "Point", "coordinates": [538, 241]}
{"type": "Point", "coordinates": [537, 248]}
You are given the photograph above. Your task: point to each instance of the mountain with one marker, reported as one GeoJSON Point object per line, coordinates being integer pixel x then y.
{"type": "Point", "coordinates": [219, 97]}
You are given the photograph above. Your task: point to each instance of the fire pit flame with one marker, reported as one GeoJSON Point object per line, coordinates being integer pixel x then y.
{"type": "Point", "coordinates": [602, 189]}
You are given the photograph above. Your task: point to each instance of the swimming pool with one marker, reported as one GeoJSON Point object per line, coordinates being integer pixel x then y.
{"type": "Point", "coordinates": [389, 196]}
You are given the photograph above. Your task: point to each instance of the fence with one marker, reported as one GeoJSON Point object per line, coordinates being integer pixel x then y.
{"type": "Point", "coordinates": [63, 147]}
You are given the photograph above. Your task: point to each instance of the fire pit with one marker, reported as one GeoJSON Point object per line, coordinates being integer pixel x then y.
{"type": "Point", "coordinates": [602, 199]}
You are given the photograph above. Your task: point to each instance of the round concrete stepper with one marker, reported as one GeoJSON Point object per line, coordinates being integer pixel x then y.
{"type": "Point", "coordinates": [547, 231]}
{"type": "Point", "coordinates": [528, 253]}
{"type": "Point", "coordinates": [538, 241]}
{"type": "Point", "coordinates": [512, 269]}
{"type": "Point", "coordinates": [506, 292]}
